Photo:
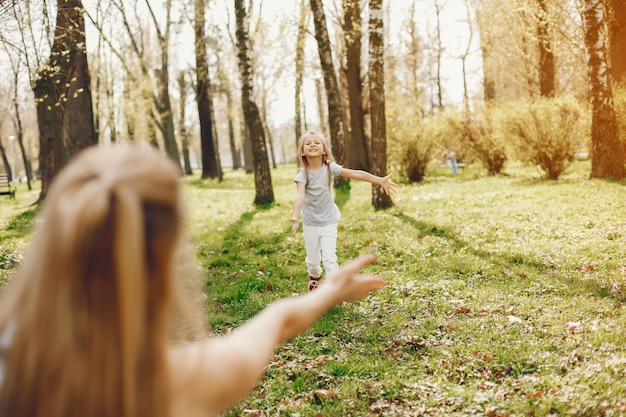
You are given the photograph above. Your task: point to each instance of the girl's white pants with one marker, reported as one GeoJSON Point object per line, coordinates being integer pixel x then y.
{"type": "Point", "coordinates": [320, 243]}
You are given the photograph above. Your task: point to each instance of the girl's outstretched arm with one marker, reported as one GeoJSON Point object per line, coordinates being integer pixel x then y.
{"type": "Point", "coordinates": [227, 368]}
{"type": "Point", "coordinates": [298, 202]}
{"type": "Point", "coordinates": [357, 174]}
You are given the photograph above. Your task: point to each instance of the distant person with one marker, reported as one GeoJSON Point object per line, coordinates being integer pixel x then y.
{"type": "Point", "coordinates": [314, 197]}
{"type": "Point", "coordinates": [451, 156]}
{"type": "Point", "coordinates": [86, 321]}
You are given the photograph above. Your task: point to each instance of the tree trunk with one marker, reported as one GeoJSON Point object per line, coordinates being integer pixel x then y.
{"type": "Point", "coordinates": [439, 53]}
{"type": "Point", "coordinates": [333, 97]}
{"type": "Point", "coordinates": [358, 157]}
{"type": "Point", "coordinates": [166, 115]}
{"type": "Point", "coordinates": [319, 98]}
{"type": "Point", "coordinates": [216, 145]}
{"type": "Point", "coordinates": [15, 66]}
{"type": "Point", "coordinates": [50, 89]}
{"type": "Point", "coordinates": [234, 151]}
{"type": "Point", "coordinates": [164, 104]}
{"type": "Point", "coordinates": [209, 162]}
{"type": "Point", "coordinates": [262, 177]}
{"type": "Point", "coordinates": [300, 41]}
{"type": "Point", "coordinates": [486, 42]}
{"type": "Point", "coordinates": [616, 31]}
{"type": "Point", "coordinates": [546, 56]}
{"type": "Point", "coordinates": [184, 136]}
{"type": "Point", "coordinates": [50, 120]}
{"type": "Point", "coordinates": [81, 128]}
{"type": "Point", "coordinates": [607, 155]}
{"type": "Point", "coordinates": [380, 199]}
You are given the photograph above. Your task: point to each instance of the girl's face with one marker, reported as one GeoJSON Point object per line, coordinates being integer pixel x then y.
{"type": "Point", "coordinates": [313, 147]}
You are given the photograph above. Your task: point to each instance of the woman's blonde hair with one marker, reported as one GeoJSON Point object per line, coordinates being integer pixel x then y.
{"type": "Point", "coordinates": [89, 308]}
{"type": "Point", "coordinates": [302, 159]}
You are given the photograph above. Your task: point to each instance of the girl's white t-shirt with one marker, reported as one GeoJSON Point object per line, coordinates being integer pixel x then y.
{"type": "Point", "coordinates": [319, 207]}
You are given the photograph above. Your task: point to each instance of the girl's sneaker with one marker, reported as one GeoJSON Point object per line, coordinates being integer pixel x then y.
{"type": "Point", "coordinates": [313, 282]}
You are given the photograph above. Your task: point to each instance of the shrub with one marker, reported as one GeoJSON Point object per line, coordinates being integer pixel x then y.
{"type": "Point", "coordinates": [546, 132]}
{"type": "Point", "coordinates": [410, 142]}
{"type": "Point", "coordinates": [477, 138]}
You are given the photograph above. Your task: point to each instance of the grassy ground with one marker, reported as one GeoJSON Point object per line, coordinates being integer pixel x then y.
{"type": "Point", "coordinates": [506, 295]}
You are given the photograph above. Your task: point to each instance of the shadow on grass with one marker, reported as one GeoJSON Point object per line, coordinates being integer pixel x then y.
{"type": "Point", "coordinates": [20, 225]}
{"type": "Point", "coordinates": [342, 195]}
{"type": "Point", "coordinates": [590, 286]}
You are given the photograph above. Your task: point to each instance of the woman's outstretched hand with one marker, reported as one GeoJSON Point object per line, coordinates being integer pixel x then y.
{"type": "Point", "coordinates": [347, 285]}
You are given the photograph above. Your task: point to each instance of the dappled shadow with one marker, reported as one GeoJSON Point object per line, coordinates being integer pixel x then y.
{"type": "Point", "coordinates": [511, 260]}
{"type": "Point", "coordinates": [342, 195]}
{"type": "Point", "coordinates": [20, 225]}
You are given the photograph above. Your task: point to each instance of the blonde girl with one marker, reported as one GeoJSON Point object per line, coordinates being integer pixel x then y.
{"type": "Point", "coordinates": [315, 199]}
{"type": "Point", "coordinates": [85, 323]}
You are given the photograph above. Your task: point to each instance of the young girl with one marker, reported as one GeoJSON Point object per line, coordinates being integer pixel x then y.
{"type": "Point", "coordinates": [85, 323]}
{"type": "Point", "coordinates": [314, 197]}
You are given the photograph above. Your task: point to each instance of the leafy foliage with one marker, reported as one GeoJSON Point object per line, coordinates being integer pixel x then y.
{"type": "Point", "coordinates": [478, 138]}
{"type": "Point", "coordinates": [411, 141]}
{"type": "Point", "coordinates": [547, 132]}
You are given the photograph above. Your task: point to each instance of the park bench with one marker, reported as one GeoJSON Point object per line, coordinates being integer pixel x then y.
{"type": "Point", "coordinates": [6, 187]}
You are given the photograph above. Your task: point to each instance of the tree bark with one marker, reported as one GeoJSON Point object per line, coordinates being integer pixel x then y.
{"type": "Point", "coordinates": [262, 177]}
{"type": "Point", "coordinates": [163, 102]}
{"type": "Point", "coordinates": [380, 199]}
{"type": "Point", "coordinates": [486, 39]}
{"type": "Point", "coordinates": [607, 155]}
{"type": "Point", "coordinates": [546, 56]}
{"type": "Point", "coordinates": [300, 41]}
{"type": "Point", "coordinates": [439, 53]}
{"type": "Point", "coordinates": [51, 93]}
{"type": "Point", "coordinates": [81, 128]}
{"type": "Point", "coordinates": [616, 32]}
{"type": "Point", "coordinates": [184, 136]}
{"type": "Point", "coordinates": [209, 162]}
{"type": "Point", "coordinates": [358, 157]}
{"type": "Point", "coordinates": [333, 97]}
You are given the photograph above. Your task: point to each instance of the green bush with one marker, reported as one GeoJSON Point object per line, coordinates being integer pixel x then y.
{"type": "Point", "coordinates": [546, 132]}
{"type": "Point", "coordinates": [476, 138]}
{"type": "Point", "coordinates": [411, 142]}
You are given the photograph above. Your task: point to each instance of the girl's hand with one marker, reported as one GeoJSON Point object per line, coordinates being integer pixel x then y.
{"type": "Point", "coordinates": [294, 226]}
{"type": "Point", "coordinates": [388, 185]}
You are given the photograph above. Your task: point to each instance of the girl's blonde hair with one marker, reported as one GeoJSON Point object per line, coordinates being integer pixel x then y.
{"type": "Point", "coordinates": [302, 159]}
{"type": "Point", "coordinates": [89, 308]}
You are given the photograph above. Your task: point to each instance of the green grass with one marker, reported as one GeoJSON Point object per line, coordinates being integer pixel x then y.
{"type": "Point", "coordinates": [506, 295]}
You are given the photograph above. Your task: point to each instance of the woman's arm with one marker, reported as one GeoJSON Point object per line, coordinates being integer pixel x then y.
{"type": "Point", "coordinates": [357, 174]}
{"type": "Point", "coordinates": [227, 368]}
{"type": "Point", "coordinates": [298, 202]}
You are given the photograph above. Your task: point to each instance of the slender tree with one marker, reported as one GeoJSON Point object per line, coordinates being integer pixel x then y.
{"type": "Point", "coordinates": [161, 112]}
{"type": "Point", "coordinates": [607, 154]}
{"type": "Point", "coordinates": [333, 97]}
{"type": "Point", "coordinates": [17, 120]}
{"type": "Point", "coordinates": [358, 157]}
{"type": "Point", "coordinates": [182, 127]}
{"type": "Point", "coordinates": [210, 168]}
{"type": "Point", "coordinates": [439, 55]}
{"type": "Point", "coordinates": [380, 199]}
{"type": "Point", "coordinates": [546, 55]}
{"type": "Point", "coordinates": [262, 177]}
{"type": "Point", "coordinates": [300, 42]}
{"type": "Point", "coordinates": [486, 45]}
